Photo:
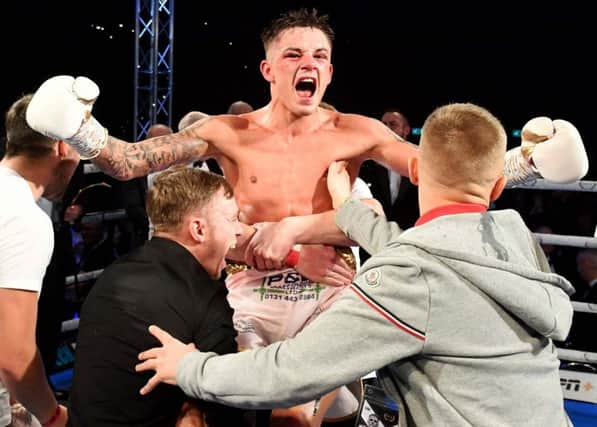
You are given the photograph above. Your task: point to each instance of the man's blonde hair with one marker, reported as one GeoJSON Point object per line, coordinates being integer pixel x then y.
{"type": "Point", "coordinates": [463, 143]}
{"type": "Point", "coordinates": [178, 191]}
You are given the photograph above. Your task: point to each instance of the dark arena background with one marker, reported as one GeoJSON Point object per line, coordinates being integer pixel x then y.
{"type": "Point", "coordinates": [517, 63]}
{"type": "Point", "coordinates": [413, 56]}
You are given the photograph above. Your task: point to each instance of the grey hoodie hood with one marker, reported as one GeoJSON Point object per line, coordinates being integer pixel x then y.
{"type": "Point", "coordinates": [540, 301]}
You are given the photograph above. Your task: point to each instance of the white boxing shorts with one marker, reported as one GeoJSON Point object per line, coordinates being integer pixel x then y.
{"type": "Point", "coordinates": [270, 306]}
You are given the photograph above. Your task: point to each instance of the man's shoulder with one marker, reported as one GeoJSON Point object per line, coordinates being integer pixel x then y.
{"type": "Point", "coordinates": [22, 214]}
{"type": "Point", "coordinates": [15, 189]}
{"type": "Point", "coordinates": [157, 265]}
{"type": "Point", "coordinates": [237, 123]}
{"type": "Point", "coordinates": [354, 122]}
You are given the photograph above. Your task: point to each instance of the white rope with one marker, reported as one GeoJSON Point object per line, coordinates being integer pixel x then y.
{"type": "Point", "coordinates": [89, 168]}
{"type": "Point", "coordinates": [542, 184]}
{"type": "Point", "coordinates": [577, 356]}
{"type": "Point", "coordinates": [70, 325]}
{"type": "Point", "coordinates": [584, 307]}
{"type": "Point", "coordinates": [83, 277]}
{"type": "Point", "coordinates": [94, 217]}
{"type": "Point", "coordinates": [565, 240]}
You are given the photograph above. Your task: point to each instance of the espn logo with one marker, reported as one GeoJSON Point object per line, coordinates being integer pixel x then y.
{"type": "Point", "coordinates": [579, 385]}
{"type": "Point", "coordinates": [571, 385]}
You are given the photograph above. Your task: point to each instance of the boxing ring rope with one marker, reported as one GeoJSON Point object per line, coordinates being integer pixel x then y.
{"type": "Point", "coordinates": [560, 239]}
{"type": "Point", "coordinates": [541, 184]}
{"type": "Point", "coordinates": [546, 239]}
{"type": "Point", "coordinates": [578, 369]}
{"type": "Point", "coordinates": [577, 355]}
{"type": "Point", "coordinates": [584, 307]}
{"type": "Point", "coordinates": [82, 277]}
{"type": "Point", "coordinates": [566, 240]}
{"type": "Point", "coordinates": [90, 168]}
{"type": "Point", "coordinates": [70, 325]}
{"type": "Point", "coordinates": [108, 215]}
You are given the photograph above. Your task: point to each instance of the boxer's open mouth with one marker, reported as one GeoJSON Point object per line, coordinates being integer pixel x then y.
{"type": "Point", "coordinates": [305, 87]}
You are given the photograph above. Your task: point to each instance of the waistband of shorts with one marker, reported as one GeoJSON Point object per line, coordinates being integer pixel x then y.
{"type": "Point", "coordinates": [233, 267]}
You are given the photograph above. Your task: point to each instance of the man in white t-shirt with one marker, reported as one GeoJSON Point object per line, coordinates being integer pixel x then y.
{"type": "Point", "coordinates": [33, 166]}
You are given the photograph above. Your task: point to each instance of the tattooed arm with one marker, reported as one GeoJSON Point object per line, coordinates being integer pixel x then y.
{"type": "Point", "coordinates": [124, 161]}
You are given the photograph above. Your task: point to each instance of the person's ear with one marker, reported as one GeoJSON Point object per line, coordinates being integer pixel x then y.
{"type": "Point", "coordinates": [266, 70]}
{"type": "Point", "coordinates": [62, 149]}
{"type": "Point", "coordinates": [197, 229]}
{"type": "Point", "coordinates": [498, 187]}
{"type": "Point", "coordinates": [413, 170]}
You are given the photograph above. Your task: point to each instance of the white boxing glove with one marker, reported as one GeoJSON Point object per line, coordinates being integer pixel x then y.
{"type": "Point", "coordinates": [61, 109]}
{"type": "Point", "coordinates": [556, 149]}
{"type": "Point", "coordinates": [553, 150]}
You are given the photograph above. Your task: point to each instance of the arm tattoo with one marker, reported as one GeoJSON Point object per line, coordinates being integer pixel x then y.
{"type": "Point", "coordinates": [124, 160]}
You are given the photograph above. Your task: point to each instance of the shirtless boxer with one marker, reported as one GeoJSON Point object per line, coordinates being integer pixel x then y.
{"type": "Point", "coordinates": [276, 157]}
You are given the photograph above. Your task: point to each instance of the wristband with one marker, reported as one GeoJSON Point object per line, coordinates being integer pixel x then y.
{"type": "Point", "coordinates": [90, 139]}
{"type": "Point", "coordinates": [292, 258]}
{"type": "Point", "coordinates": [53, 418]}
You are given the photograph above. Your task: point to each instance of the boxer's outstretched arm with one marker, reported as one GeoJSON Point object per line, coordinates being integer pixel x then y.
{"type": "Point", "coordinates": [124, 161]}
{"type": "Point", "coordinates": [61, 109]}
{"type": "Point", "coordinates": [389, 149]}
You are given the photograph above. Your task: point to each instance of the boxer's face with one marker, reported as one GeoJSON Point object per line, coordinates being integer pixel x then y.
{"type": "Point", "coordinates": [299, 69]}
{"type": "Point", "coordinates": [222, 231]}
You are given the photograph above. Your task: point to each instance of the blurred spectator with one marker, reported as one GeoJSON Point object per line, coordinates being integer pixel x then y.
{"type": "Point", "coordinates": [586, 263]}
{"type": "Point", "coordinates": [51, 305]}
{"type": "Point", "coordinates": [96, 250]}
{"type": "Point", "coordinates": [240, 107]}
{"type": "Point", "coordinates": [397, 194]}
{"type": "Point", "coordinates": [562, 259]}
{"type": "Point", "coordinates": [190, 118]}
{"type": "Point", "coordinates": [582, 334]}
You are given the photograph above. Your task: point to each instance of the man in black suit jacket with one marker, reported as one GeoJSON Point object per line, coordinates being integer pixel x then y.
{"type": "Point", "coordinates": [396, 193]}
{"type": "Point", "coordinates": [171, 280]}
{"type": "Point", "coordinates": [586, 263]}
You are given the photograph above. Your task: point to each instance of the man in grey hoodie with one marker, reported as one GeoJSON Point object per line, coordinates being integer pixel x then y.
{"type": "Point", "coordinates": [457, 314]}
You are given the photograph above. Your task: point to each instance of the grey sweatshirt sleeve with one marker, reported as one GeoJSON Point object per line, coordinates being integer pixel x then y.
{"type": "Point", "coordinates": [345, 342]}
{"type": "Point", "coordinates": [363, 225]}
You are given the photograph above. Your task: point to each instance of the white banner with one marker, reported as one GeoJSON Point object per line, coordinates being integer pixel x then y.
{"type": "Point", "coordinates": [579, 385]}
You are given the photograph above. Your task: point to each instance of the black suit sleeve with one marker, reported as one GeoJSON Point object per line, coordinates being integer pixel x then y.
{"type": "Point", "coordinates": [216, 332]}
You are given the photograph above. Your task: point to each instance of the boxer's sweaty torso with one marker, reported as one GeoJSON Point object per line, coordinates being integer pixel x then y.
{"type": "Point", "coordinates": [278, 173]}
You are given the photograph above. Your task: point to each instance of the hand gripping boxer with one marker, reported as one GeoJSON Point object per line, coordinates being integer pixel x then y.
{"type": "Point", "coordinates": [61, 109]}
{"type": "Point", "coordinates": [553, 150]}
